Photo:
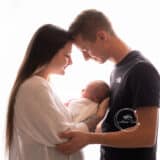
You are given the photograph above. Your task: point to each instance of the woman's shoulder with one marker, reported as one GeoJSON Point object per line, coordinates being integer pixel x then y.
{"type": "Point", "coordinates": [34, 83]}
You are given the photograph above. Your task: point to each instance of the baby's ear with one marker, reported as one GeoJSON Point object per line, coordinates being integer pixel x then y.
{"type": "Point", "coordinates": [96, 99]}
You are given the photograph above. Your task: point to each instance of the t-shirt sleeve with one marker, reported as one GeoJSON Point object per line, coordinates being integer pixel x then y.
{"type": "Point", "coordinates": [144, 85]}
{"type": "Point", "coordinates": [38, 116]}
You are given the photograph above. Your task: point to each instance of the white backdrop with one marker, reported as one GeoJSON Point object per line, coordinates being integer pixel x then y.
{"type": "Point", "coordinates": [136, 22]}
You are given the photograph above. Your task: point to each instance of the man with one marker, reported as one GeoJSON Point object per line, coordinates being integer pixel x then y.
{"type": "Point", "coordinates": [129, 131]}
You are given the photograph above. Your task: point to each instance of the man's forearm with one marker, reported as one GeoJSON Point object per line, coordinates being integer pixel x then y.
{"type": "Point", "coordinates": [121, 139]}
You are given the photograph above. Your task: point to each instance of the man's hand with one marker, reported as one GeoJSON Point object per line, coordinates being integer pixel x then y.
{"type": "Point", "coordinates": [77, 140]}
{"type": "Point", "coordinates": [103, 106]}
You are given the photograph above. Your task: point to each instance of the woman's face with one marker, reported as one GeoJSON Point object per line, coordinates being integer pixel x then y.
{"type": "Point", "coordinates": [61, 60]}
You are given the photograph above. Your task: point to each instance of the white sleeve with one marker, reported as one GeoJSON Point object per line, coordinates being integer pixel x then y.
{"type": "Point", "coordinates": [37, 115]}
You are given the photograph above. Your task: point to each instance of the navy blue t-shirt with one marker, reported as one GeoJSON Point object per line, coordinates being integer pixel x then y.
{"type": "Point", "coordinates": [134, 83]}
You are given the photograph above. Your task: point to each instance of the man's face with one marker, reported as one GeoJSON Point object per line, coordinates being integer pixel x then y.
{"type": "Point", "coordinates": [90, 50]}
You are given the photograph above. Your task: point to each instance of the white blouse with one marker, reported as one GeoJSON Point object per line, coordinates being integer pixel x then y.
{"type": "Point", "coordinates": [82, 108]}
{"type": "Point", "coordinates": [39, 116]}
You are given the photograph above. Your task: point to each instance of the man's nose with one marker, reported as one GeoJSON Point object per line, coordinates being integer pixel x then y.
{"type": "Point", "coordinates": [82, 90]}
{"type": "Point", "coordinates": [86, 56]}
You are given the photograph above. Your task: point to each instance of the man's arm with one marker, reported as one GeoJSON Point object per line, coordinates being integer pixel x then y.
{"type": "Point", "coordinates": [143, 135]}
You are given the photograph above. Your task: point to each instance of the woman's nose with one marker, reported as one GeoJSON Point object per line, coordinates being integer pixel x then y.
{"type": "Point", "coordinates": [69, 61]}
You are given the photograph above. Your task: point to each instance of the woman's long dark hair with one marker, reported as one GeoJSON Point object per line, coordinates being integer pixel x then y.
{"type": "Point", "coordinates": [43, 46]}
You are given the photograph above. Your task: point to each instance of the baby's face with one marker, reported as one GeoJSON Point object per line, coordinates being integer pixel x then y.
{"type": "Point", "coordinates": [87, 92]}
{"type": "Point", "coordinates": [83, 92]}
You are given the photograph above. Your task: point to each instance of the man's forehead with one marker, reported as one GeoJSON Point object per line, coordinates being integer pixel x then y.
{"type": "Point", "coordinates": [79, 41]}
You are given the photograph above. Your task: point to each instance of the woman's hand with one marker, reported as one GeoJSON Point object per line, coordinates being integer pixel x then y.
{"type": "Point", "coordinates": [77, 140]}
{"type": "Point", "coordinates": [102, 108]}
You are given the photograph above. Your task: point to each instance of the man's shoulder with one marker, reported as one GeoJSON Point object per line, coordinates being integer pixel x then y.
{"type": "Point", "coordinates": [143, 67]}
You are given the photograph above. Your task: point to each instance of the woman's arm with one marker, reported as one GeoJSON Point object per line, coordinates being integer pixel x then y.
{"type": "Point", "coordinates": [39, 115]}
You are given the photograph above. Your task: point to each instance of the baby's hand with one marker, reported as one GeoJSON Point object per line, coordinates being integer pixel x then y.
{"type": "Point", "coordinates": [102, 108]}
{"type": "Point", "coordinates": [68, 102]}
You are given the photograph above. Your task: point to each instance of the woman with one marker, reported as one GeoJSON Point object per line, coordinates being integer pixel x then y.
{"type": "Point", "coordinates": [35, 114]}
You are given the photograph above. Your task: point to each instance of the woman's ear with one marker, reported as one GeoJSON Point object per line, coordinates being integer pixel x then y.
{"type": "Point", "coordinates": [102, 35]}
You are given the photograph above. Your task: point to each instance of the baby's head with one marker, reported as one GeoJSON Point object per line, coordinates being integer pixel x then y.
{"type": "Point", "coordinates": [96, 91]}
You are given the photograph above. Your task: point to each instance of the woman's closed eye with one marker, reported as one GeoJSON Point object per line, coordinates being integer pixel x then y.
{"type": "Point", "coordinates": [68, 57]}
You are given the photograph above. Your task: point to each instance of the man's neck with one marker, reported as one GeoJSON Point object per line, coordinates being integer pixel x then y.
{"type": "Point", "coordinates": [120, 50]}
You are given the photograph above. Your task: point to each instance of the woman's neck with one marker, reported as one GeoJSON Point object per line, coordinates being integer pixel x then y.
{"type": "Point", "coordinates": [43, 74]}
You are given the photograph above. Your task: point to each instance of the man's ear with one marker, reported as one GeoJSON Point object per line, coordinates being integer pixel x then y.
{"type": "Point", "coordinates": [102, 35]}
